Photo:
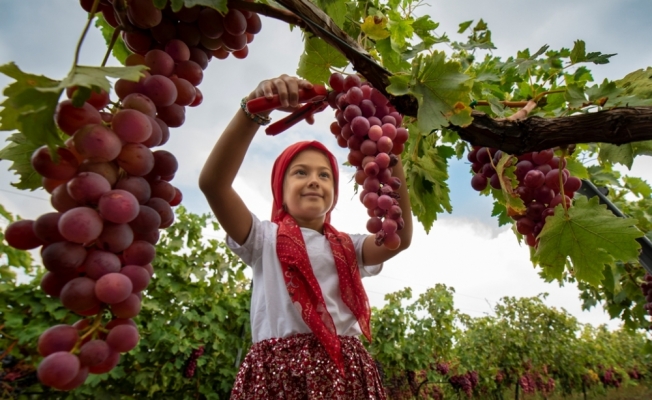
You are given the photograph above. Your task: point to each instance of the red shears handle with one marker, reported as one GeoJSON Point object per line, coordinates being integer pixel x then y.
{"type": "Point", "coordinates": [262, 104]}
{"type": "Point", "coordinates": [297, 116]}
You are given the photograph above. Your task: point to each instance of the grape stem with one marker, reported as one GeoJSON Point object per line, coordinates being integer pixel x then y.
{"type": "Point", "coordinates": [91, 329]}
{"type": "Point", "coordinates": [114, 39]}
{"type": "Point", "coordinates": [562, 159]}
{"type": "Point", "coordinates": [11, 347]}
{"type": "Point", "coordinates": [91, 15]}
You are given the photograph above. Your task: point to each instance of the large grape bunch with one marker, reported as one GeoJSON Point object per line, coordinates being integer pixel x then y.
{"type": "Point", "coordinates": [371, 129]}
{"type": "Point", "coordinates": [542, 185]}
{"type": "Point", "coordinates": [110, 189]}
{"type": "Point", "coordinates": [205, 31]}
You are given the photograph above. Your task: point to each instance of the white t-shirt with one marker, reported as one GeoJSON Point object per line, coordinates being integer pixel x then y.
{"type": "Point", "coordinates": [272, 312]}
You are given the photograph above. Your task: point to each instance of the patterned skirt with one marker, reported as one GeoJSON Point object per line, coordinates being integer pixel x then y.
{"type": "Point", "coordinates": [298, 368]}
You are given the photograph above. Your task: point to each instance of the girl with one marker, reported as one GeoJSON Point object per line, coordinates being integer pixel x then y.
{"type": "Point", "coordinates": [308, 303]}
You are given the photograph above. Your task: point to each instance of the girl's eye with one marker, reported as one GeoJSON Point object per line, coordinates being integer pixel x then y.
{"type": "Point", "coordinates": [325, 175]}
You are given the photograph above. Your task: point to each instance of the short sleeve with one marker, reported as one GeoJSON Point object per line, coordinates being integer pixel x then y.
{"type": "Point", "coordinates": [365, 270]}
{"type": "Point", "coordinates": [252, 249]}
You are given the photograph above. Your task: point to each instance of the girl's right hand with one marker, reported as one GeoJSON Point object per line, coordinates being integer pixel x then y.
{"type": "Point", "coordinates": [287, 87]}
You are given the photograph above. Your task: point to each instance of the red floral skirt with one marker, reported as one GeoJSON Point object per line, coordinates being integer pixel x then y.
{"type": "Point", "coordinates": [298, 368]}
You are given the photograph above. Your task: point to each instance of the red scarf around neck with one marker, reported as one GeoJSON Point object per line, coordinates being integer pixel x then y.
{"type": "Point", "coordinates": [299, 277]}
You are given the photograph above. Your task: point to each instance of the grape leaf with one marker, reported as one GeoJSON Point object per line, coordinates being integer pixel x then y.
{"type": "Point", "coordinates": [638, 186]}
{"type": "Point", "coordinates": [119, 51]}
{"type": "Point", "coordinates": [219, 5]}
{"type": "Point", "coordinates": [88, 77]}
{"type": "Point", "coordinates": [625, 153]}
{"type": "Point", "coordinates": [638, 83]}
{"type": "Point", "coordinates": [443, 92]}
{"type": "Point", "coordinates": [27, 109]}
{"type": "Point", "coordinates": [392, 59]}
{"type": "Point", "coordinates": [336, 9]}
{"type": "Point", "coordinates": [590, 235]}
{"type": "Point", "coordinates": [508, 182]}
{"type": "Point", "coordinates": [375, 30]}
{"type": "Point", "coordinates": [464, 26]}
{"type": "Point", "coordinates": [427, 176]}
{"type": "Point", "coordinates": [576, 168]}
{"type": "Point", "coordinates": [578, 55]}
{"type": "Point", "coordinates": [400, 30]}
{"type": "Point", "coordinates": [317, 59]}
{"type": "Point", "coordinates": [19, 151]}
{"type": "Point", "coordinates": [500, 211]}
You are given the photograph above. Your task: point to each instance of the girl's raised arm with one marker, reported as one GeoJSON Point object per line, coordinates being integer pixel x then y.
{"type": "Point", "coordinates": [373, 254]}
{"type": "Point", "coordinates": [221, 167]}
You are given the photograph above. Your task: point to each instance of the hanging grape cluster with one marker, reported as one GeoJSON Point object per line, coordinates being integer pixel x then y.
{"type": "Point", "coordinates": [204, 30]}
{"type": "Point", "coordinates": [191, 364]}
{"type": "Point", "coordinates": [646, 288]}
{"type": "Point", "coordinates": [371, 129]}
{"type": "Point", "coordinates": [111, 189]}
{"type": "Point", "coordinates": [461, 382]}
{"type": "Point", "coordinates": [540, 182]}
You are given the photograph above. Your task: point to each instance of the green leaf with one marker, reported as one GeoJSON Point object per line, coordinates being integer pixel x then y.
{"type": "Point", "coordinates": [97, 76]}
{"type": "Point", "coordinates": [575, 95]}
{"type": "Point", "coordinates": [317, 59]}
{"type": "Point", "coordinates": [336, 9]}
{"type": "Point", "coordinates": [638, 186]}
{"type": "Point", "coordinates": [219, 5]}
{"type": "Point", "coordinates": [427, 176]}
{"type": "Point", "coordinates": [19, 151]}
{"type": "Point", "coordinates": [375, 30]}
{"type": "Point", "coordinates": [624, 154]}
{"type": "Point", "coordinates": [400, 30]}
{"type": "Point", "coordinates": [576, 168]}
{"type": "Point", "coordinates": [392, 59]}
{"type": "Point", "coordinates": [578, 54]}
{"type": "Point", "coordinates": [119, 50]}
{"type": "Point", "coordinates": [464, 26]}
{"type": "Point", "coordinates": [500, 211]}
{"type": "Point", "coordinates": [424, 25]}
{"type": "Point", "coordinates": [637, 83]}
{"type": "Point", "coordinates": [591, 236]}
{"type": "Point", "coordinates": [443, 92]}
{"type": "Point", "coordinates": [23, 83]}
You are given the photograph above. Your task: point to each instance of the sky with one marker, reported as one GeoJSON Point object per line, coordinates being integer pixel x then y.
{"type": "Point", "coordinates": [466, 250]}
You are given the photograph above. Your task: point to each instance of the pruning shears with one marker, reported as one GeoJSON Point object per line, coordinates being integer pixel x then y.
{"type": "Point", "coordinates": [315, 99]}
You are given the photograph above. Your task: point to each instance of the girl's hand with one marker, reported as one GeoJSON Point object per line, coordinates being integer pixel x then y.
{"type": "Point", "coordinates": [287, 87]}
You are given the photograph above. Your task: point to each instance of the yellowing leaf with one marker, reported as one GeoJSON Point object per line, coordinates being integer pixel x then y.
{"type": "Point", "coordinates": [591, 236]}
{"type": "Point", "coordinates": [505, 171]}
{"type": "Point", "coordinates": [375, 27]}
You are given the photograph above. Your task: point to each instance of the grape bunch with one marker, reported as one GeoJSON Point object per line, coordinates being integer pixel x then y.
{"type": "Point", "coordinates": [371, 129]}
{"type": "Point", "coordinates": [442, 368]}
{"type": "Point", "coordinates": [646, 288]}
{"type": "Point", "coordinates": [541, 176]}
{"type": "Point", "coordinates": [527, 383]}
{"type": "Point", "coordinates": [204, 30]}
{"type": "Point", "coordinates": [461, 382]}
{"type": "Point", "coordinates": [111, 194]}
{"type": "Point", "coordinates": [191, 364]}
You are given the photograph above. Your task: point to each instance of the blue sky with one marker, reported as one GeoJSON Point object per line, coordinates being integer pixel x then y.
{"type": "Point", "coordinates": [465, 250]}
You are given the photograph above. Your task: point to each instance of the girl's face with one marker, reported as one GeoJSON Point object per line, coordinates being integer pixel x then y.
{"type": "Point", "coordinates": [308, 188]}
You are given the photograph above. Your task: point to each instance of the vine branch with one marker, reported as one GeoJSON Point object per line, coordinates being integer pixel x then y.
{"type": "Point", "coordinates": [91, 15]}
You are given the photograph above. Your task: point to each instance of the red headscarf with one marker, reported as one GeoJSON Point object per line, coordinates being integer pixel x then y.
{"type": "Point", "coordinates": [300, 280]}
